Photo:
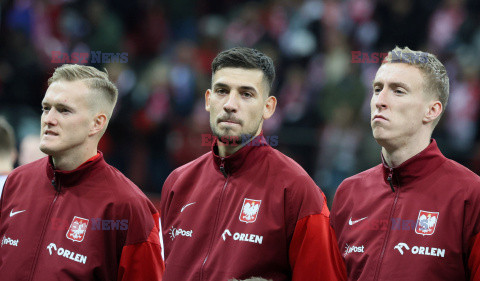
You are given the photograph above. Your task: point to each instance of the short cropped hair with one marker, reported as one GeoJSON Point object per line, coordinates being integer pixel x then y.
{"type": "Point", "coordinates": [95, 80]}
{"type": "Point", "coordinates": [248, 58]}
{"type": "Point", "coordinates": [435, 74]}
{"type": "Point", "coordinates": [7, 138]}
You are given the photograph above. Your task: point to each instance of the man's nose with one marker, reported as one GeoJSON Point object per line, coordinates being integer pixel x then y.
{"type": "Point", "coordinates": [381, 99]}
{"type": "Point", "coordinates": [232, 102]}
{"type": "Point", "coordinates": [50, 117]}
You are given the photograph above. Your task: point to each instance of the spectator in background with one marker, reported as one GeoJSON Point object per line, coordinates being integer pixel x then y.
{"type": "Point", "coordinates": [95, 223]}
{"type": "Point", "coordinates": [244, 208]}
{"type": "Point", "coordinates": [8, 152]}
{"type": "Point", "coordinates": [29, 149]}
{"type": "Point", "coordinates": [415, 216]}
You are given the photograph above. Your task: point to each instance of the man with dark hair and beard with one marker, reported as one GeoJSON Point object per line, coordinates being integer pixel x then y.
{"type": "Point", "coordinates": [244, 209]}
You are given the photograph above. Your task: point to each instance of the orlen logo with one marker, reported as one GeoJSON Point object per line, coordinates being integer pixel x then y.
{"type": "Point", "coordinates": [252, 238]}
{"type": "Point", "coordinates": [355, 249]}
{"type": "Point", "coordinates": [175, 232]}
{"type": "Point", "coordinates": [9, 241]}
{"type": "Point", "coordinates": [52, 248]}
{"type": "Point", "coordinates": [416, 250]}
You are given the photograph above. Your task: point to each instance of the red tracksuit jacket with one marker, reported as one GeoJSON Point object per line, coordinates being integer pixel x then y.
{"type": "Point", "coordinates": [426, 229]}
{"type": "Point", "coordinates": [91, 223]}
{"type": "Point", "coordinates": [254, 213]}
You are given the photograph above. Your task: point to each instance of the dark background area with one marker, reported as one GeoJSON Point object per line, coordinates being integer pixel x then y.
{"type": "Point", "coordinates": [322, 118]}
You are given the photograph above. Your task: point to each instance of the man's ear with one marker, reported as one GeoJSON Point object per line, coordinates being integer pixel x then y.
{"type": "Point", "coordinates": [99, 122]}
{"type": "Point", "coordinates": [269, 107]}
{"type": "Point", "coordinates": [207, 100]}
{"type": "Point", "coordinates": [433, 111]}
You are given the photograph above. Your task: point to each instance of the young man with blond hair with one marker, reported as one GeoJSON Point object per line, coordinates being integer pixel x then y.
{"type": "Point", "coordinates": [415, 216]}
{"type": "Point", "coordinates": [71, 216]}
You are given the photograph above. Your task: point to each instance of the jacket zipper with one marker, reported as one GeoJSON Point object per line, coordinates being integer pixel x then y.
{"type": "Point", "coordinates": [222, 169]}
{"type": "Point", "coordinates": [389, 227]}
{"type": "Point", "coordinates": [56, 184]}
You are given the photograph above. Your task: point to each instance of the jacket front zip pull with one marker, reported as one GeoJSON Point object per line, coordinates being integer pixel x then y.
{"type": "Point", "coordinates": [217, 215]}
{"type": "Point", "coordinates": [389, 226]}
{"type": "Point", "coordinates": [390, 179]}
{"type": "Point", "coordinates": [222, 168]}
{"type": "Point", "coordinates": [56, 184]}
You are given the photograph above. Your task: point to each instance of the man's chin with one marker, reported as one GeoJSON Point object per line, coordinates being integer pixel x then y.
{"type": "Point", "coordinates": [47, 150]}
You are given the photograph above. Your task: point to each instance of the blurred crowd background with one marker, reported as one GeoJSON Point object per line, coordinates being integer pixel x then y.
{"type": "Point", "coordinates": [322, 118]}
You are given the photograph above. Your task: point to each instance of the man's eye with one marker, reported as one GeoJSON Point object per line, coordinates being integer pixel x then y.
{"type": "Point", "coordinates": [63, 110]}
{"type": "Point", "coordinates": [400, 92]}
{"type": "Point", "coordinates": [221, 91]}
{"type": "Point", "coordinates": [247, 94]}
{"type": "Point", "coordinates": [377, 90]}
{"type": "Point", "coordinates": [45, 108]}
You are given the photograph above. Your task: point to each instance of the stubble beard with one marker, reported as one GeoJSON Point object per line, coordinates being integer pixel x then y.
{"type": "Point", "coordinates": [227, 138]}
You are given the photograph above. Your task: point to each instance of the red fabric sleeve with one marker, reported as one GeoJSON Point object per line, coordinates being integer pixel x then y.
{"type": "Point", "coordinates": [143, 261]}
{"type": "Point", "coordinates": [314, 253]}
{"type": "Point", "coordinates": [474, 258]}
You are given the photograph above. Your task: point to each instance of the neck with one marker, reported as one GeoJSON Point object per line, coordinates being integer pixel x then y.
{"type": "Point", "coordinates": [71, 162]}
{"type": "Point", "coordinates": [225, 150]}
{"type": "Point", "coordinates": [394, 157]}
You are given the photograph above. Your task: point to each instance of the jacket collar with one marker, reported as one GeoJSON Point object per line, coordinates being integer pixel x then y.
{"type": "Point", "coordinates": [243, 157]}
{"type": "Point", "coordinates": [60, 178]}
{"type": "Point", "coordinates": [415, 168]}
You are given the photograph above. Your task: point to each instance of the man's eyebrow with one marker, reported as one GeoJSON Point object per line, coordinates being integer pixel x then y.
{"type": "Point", "coordinates": [220, 85]}
{"type": "Point", "coordinates": [58, 104]}
{"type": "Point", "coordinates": [392, 85]}
{"type": "Point", "coordinates": [400, 84]}
{"type": "Point", "coordinates": [243, 88]}
{"type": "Point", "coordinates": [248, 88]}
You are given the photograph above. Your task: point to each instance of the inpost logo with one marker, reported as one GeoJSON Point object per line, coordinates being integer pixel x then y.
{"type": "Point", "coordinates": [9, 241]}
{"type": "Point", "coordinates": [174, 232]}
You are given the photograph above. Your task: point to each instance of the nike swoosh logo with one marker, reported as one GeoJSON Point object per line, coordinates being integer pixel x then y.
{"type": "Point", "coordinates": [12, 213]}
{"type": "Point", "coordinates": [183, 208]}
{"type": "Point", "coordinates": [350, 222]}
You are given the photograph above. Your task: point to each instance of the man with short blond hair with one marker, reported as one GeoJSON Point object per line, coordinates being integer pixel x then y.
{"type": "Point", "coordinates": [71, 216]}
{"type": "Point", "coordinates": [415, 216]}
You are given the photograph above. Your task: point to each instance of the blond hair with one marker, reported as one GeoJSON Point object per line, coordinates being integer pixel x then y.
{"type": "Point", "coordinates": [96, 80]}
{"type": "Point", "coordinates": [435, 74]}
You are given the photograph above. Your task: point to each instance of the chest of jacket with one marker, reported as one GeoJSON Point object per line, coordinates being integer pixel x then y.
{"type": "Point", "coordinates": [227, 220]}
{"type": "Point", "coordinates": [59, 233]}
{"type": "Point", "coordinates": [414, 233]}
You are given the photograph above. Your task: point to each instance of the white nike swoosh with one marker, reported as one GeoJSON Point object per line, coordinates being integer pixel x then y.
{"type": "Point", "coordinates": [350, 222]}
{"type": "Point", "coordinates": [14, 213]}
{"type": "Point", "coordinates": [183, 208]}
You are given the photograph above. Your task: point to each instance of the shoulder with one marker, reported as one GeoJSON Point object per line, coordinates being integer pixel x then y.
{"type": "Point", "coordinates": [34, 170]}
{"type": "Point", "coordinates": [191, 167]}
{"type": "Point", "coordinates": [124, 190]}
{"type": "Point", "coordinates": [285, 167]}
{"type": "Point", "coordinates": [361, 179]}
{"type": "Point", "coordinates": [297, 185]}
{"type": "Point", "coordinates": [463, 177]}
{"type": "Point", "coordinates": [30, 168]}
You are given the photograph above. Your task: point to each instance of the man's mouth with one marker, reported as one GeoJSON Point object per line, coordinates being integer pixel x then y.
{"type": "Point", "coordinates": [50, 133]}
{"type": "Point", "coordinates": [379, 117]}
